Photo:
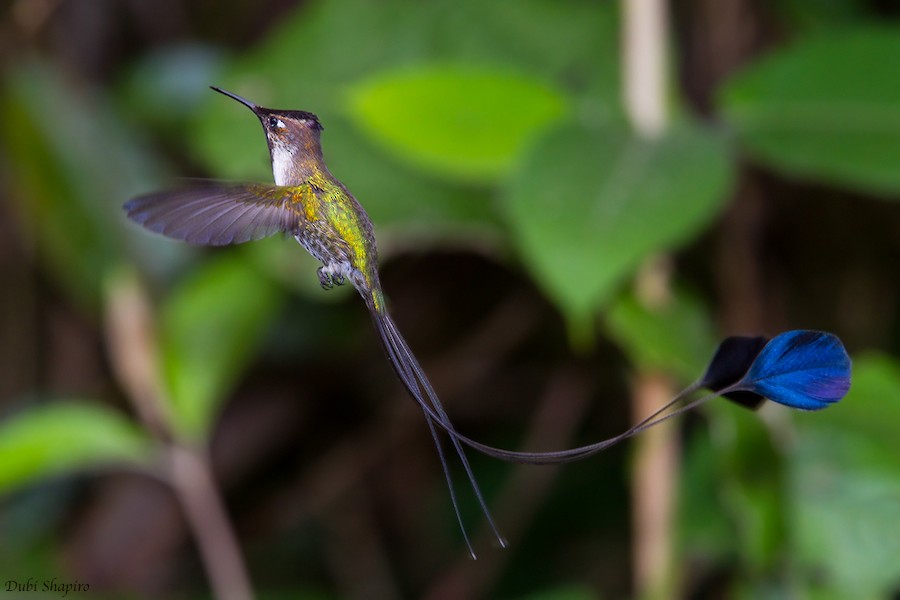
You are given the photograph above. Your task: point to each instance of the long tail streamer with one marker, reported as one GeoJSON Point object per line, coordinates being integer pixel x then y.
{"type": "Point", "coordinates": [806, 370]}
{"type": "Point", "coordinates": [417, 384]}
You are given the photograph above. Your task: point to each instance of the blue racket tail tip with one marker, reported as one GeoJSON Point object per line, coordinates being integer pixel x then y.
{"type": "Point", "coordinates": [802, 369]}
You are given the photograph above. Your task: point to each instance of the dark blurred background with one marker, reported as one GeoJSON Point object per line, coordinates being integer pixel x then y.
{"type": "Point", "coordinates": [558, 270]}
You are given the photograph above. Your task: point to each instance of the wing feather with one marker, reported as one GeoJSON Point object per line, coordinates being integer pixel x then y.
{"type": "Point", "coordinates": [217, 214]}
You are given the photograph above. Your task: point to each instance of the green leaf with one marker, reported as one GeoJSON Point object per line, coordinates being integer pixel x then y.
{"type": "Point", "coordinates": [66, 436]}
{"type": "Point", "coordinates": [676, 337]}
{"type": "Point", "coordinates": [464, 121]}
{"type": "Point", "coordinates": [211, 327]}
{"type": "Point", "coordinates": [827, 107]}
{"type": "Point", "coordinates": [845, 486]}
{"type": "Point", "coordinates": [587, 206]}
{"type": "Point", "coordinates": [846, 519]}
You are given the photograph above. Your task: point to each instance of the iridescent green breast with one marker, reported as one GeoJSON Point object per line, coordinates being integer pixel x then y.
{"type": "Point", "coordinates": [336, 229]}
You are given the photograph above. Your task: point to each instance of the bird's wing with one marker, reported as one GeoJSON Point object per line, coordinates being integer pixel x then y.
{"type": "Point", "coordinates": [217, 214]}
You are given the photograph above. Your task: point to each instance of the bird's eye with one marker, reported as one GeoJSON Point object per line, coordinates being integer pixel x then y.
{"type": "Point", "coordinates": [276, 123]}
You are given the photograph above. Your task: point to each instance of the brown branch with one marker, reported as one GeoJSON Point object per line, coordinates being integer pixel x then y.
{"type": "Point", "coordinates": [654, 471]}
{"type": "Point", "coordinates": [192, 480]}
{"type": "Point", "coordinates": [654, 491]}
{"type": "Point", "coordinates": [129, 326]}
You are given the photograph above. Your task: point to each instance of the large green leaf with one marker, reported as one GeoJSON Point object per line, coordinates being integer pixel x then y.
{"type": "Point", "coordinates": [66, 436]}
{"type": "Point", "coordinates": [211, 327]}
{"type": "Point", "coordinates": [464, 121]}
{"type": "Point", "coordinates": [845, 483]}
{"type": "Point", "coordinates": [586, 206]}
{"type": "Point", "coordinates": [675, 337]}
{"type": "Point", "coordinates": [826, 107]}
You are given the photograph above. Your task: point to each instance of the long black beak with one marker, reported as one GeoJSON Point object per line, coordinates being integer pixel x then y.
{"type": "Point", "coordinates": [243, 101]}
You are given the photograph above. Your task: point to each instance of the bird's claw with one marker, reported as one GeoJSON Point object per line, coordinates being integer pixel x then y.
{"type": "Point", "coordinates": [328, 280]}
{"type": "Point", "coordinates": [325, 279]}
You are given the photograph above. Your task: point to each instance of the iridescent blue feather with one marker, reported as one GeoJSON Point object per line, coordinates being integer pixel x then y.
{"type": "Point", "coordinates": [808, 370]}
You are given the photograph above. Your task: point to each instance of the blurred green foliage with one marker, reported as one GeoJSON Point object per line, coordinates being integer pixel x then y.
{"type": "Point", "coordinates": [73, 159]}
{"type": "Point", "coordinates": [587, 205]}
{"type": "Point", "coordinates": [65, 436]}
{"type": "Point", "coordinates": [211, 326]}
{"type": "Point", "coordinates": [827, 107]}
{"type": "Point", "coordinates": [455, 120]}
{"type": "Point", "coordinates": [844, 489]}
{"type": "Point", "coordinates": [675, 337]}
{"type": "Point", "coordinates": [464, 124]}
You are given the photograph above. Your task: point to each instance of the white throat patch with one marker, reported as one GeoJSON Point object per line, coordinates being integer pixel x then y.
{"type": "Point", "coordinates": [282, 159]}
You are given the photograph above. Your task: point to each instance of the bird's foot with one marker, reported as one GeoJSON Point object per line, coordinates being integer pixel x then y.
{"type": "Point", "coordinates": [328, 279]}
{"type": "Point", "coordinates": [325, 279]}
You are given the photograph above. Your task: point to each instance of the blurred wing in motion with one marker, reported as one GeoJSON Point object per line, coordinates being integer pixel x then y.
{"type": "Point", "coordinates": [218, 214]}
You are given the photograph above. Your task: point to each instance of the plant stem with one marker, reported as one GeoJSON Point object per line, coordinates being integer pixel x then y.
{"type": "Point", "coordinates": [192, 479]}
{"type": "Point", "coordinates": [654, 473]}
{"type": "Point", "coordinates": [654, 487]}
{"type": "Point", "coordinates": [133, 353]}
{"type": "Point", "coordinates": [644, 44]}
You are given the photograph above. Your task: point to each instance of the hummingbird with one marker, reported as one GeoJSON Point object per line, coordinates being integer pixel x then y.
{"type": "Point", "coordinates": [310, 204]}
{"type": "Point", "coordinates": [806, 370]}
